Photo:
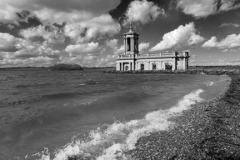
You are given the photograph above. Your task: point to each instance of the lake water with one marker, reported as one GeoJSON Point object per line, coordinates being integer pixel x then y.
{"type": "Point", "coordinates": [52, 115]}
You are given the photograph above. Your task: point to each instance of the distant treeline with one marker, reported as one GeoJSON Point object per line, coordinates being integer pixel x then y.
{"type": "Point", "coordinates": [61, 67]}
{"type": "Point", "coordinates": [216, 67]}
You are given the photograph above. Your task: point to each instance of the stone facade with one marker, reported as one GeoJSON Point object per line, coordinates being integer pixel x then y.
{"type": "Point", "coordinates": [132, 60]}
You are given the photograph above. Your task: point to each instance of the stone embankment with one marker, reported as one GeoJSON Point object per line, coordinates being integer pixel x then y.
{"type": "Point", "coordinates": [191, 71]}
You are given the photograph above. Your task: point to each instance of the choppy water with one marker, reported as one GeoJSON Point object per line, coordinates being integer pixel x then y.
{"type": "Point", "coordinates": [53, 115]}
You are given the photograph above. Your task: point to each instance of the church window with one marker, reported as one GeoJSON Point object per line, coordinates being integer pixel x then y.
{"type": "Point", "coordinates": [168, 66]}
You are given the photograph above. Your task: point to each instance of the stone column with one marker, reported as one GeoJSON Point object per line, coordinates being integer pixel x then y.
{"type": "Point", "coordinates": [117, 66]}
{"type": "Point", "coordinates": [174, 64]}
{"type": "Point", "coordinates": [137, 44]}
{"type": "Point", "coordinates": [125, 44]}
{"type": "Point", "coordinates": [184, 63]}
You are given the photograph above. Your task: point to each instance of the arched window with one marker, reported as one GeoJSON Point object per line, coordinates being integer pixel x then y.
{"type": "Point", "coordinates": [154, 66]}
{"type": "Point", "coordinates": [142, 67]}
{"type": "Point", "coordinates": [128, 44]}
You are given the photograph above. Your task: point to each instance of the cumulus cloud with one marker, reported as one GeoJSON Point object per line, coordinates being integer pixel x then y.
{"type": "Point", "coordinates": [109, 60]}
{"type": "Point", "coordinates": [204, 8]}
{"type": "Point", "coordinates": [7, 42]}
{"type": "Point", "coordinates": [143, 46]}
{"type": "Point", "coordinates": [29, 53]}
{"type": "Point", "coordinates": [83, 48]}
{"type": "Point", "coordinates": [8, 14]}
{"type": "Point", "coordinates": [55, 11]}
{"type": "Point", "coordinates": [143, 11]}
{"type": "Point", "coordinates": [198, 8]}
{"type": "Point", "coordinates": [112, 43]}
{"type": "Point", "coordinates": [210, 43]}
{"type": "Point", "coordinates": [28, 49]}
{"type": "Point", "coordinates": [51, 34]}
{"type": "Point", "coordinates": [230, 41]}
{"type": "Point", "coordinates": [229, 5]}
{"type": "Point", "coordinates": [180, 38]}
{"type": "Point", "coordinates": [80, 20]}
{"type": "Point", "coordinates": [120, 50]}
{"type": "Point", "coordinates": [93, 28]}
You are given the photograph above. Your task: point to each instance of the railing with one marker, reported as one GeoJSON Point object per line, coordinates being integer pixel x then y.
{"type": "Point", "coordinates": [175, 54]}
{"type": "Point", "coordinates": [126, 56]}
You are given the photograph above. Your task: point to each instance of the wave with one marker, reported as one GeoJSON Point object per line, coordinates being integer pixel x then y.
{"type": "Point", "coordinates": [111, 143]}
{"type": "Point", "coordinates": [60, 95]}
{"type": "Point", "coordinates": [211, 83]}
{"type": "Point", "coordinates": [3, 78]}
{"type": "Point", "coordinates": [32, 85]}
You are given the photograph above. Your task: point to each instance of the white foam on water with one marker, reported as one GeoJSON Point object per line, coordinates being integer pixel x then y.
{"type": "Point", "coordinates": [211, 83]}
{"type": "Point", "coordinates": [111, 143]}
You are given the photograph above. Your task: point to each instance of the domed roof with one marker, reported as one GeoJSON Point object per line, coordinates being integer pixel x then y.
{"type": "Point", "coordinates": [131, 30]}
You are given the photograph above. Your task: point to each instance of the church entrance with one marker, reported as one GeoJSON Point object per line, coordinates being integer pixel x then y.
{"type": "Point", "coordinates": [154, 66]}
{"type": "Point", "coordinates": [142, 67]}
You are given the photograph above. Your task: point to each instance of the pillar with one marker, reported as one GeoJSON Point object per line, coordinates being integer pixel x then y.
{"type": "Point", "coordinates": [137, 44]}
{"type": "Point", "coordinates": [125, 45]}
{"type": "Point", "coordinates": [174, 64]}
{"type": "Point", "coordinates": [184, 63]}
{"type": "Point", "coordinates": [132, 44]}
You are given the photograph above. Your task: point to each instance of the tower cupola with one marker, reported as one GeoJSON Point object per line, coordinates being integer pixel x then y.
{"type": "Point", "coordinates": [131, 42]}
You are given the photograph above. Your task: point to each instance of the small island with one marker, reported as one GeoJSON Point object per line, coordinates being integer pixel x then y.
{"type": "Point", "coordinates": [62, 67]}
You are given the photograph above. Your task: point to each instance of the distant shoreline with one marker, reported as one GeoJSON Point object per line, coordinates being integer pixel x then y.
{"type": "Point", "coordinates": [210, 131]}
{"type": "Point", "coordinates": [209, 70]}
{"type": "Point", "coordinates": [46, 68]}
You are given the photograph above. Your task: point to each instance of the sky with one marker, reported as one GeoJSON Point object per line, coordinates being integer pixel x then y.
{"type": "Point", "coordinates": [90, 32]}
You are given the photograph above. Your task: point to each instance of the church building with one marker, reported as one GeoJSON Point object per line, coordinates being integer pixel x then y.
{"type": "Point", "coordinates": [132, 60]}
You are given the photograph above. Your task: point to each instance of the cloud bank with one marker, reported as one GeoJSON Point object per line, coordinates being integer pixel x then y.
{"type": "Point", "coordinates": [231, 41]}
{"type": "Point", "coordinates": [204, 8]}
{"type": "Point", "coordinates": [55, 11]}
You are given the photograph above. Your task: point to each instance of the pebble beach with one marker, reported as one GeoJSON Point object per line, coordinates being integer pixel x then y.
{"type": "Point", "coordinates": [208, 131]}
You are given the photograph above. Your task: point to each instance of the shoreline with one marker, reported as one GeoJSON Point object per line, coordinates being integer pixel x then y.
{"type": "Point", "coordinates": [208, 71]}
{"type": "Point", "coordinates": [210, 130]}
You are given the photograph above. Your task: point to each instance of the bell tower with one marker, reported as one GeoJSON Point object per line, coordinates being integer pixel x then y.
{"type": "Point", "coordinates": [131, 42]}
